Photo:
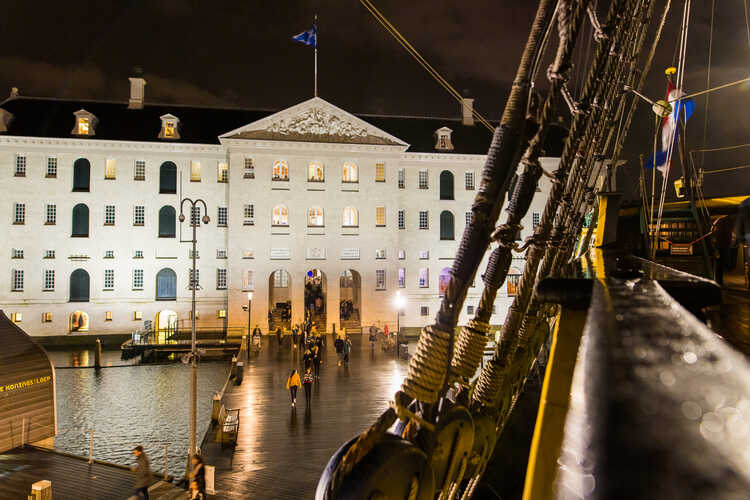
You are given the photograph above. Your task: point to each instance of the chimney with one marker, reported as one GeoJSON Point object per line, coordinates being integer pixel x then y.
{"type": "Point", "coordinates": [467, 108]}
{"type": "Point", "coordinates": [137, 86]}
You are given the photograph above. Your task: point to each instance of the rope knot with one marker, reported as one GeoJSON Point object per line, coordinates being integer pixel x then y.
{"type": "Point", "coordinates": [505, 234]}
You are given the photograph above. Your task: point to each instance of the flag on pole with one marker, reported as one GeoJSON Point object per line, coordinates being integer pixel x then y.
{"type": "Point", "coordinates": [308, 37]}
{"type": "Point", "coordinates": [682, 110]}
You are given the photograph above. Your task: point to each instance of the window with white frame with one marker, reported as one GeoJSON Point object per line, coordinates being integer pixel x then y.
{"type": "Point", "coordinates": [379, 279]}
{"type": "Point", "coordinates": [195, 215]}
{"type": "Point", "coordinates": [50, 214]}
{"type": "Point", "coordinates": [469, 177]}
{"type": "Point", "coordinates": [169, 127]}
{"type": "Point", "coordinates": [109, 254]}
{"type": "Point", "coordinates": [17, 280]}
{"type": "Point", "coordinates": [424, 277]}
{"type": "Point", "coordinates": [110, 169]}
{"type": "Point", "coordinates": [249, 171]}
{"type": "Point", "coordinates": [221, 279]}
{"type": "Point", "coordinates": [535, 218]}
{"type": "Point", "coordinates": [401, 254]}
{"type": "Point", "coordinates": [280, 216]}
{"type": "Point", "coordinates": [221, 313]}
{"type": "Point", "coordinates": [49, 280]}
{"type": "Point", "coordinates": [469, 310]}
{"type": "Point", "coordinates": [248, 280]}
{"type": "Point", "coordinates": [46, 317]}
{"type": "Point", "coordinates": [401, 178]}
{"type": "Point", "coordinates": [137, 279]}
{"type": "Point", "coordinates": [424, 222]}
{"type": "Point", "coordinates": [51, 166]}
{"type": "Point", "coordinates": [139, 215]}
{"type": "Point", "coordinates": [195, 171]}
{"type": "Point", "coordinates": [315, 217]}
{"type": "Point", "coordinates": [280, 171]}
{"type": "Point", "coordinates": [423, 179]}
{"type": "Point", "coordinates": [221, 253]}
{"type": "Point", "coordinates": [351, 218]}
{"type": "Point", "coordinates": [49, 254]}
{"type": "Point", "coordinates": [139, 172]}
{"type": "Point", "coordinates": [380, 172]}
{"type": "Point", "coordinates": [194, 284]}
{"type": "Point", "coordinates": [248, 253]}
{"type": "Point", "coordinates": [19, 213]}
{"type": "Point", "coordinates": [138, 254]}
{"type": "Point", "coordinates": [424, 254]}
{"type": "Point", "coordinates": [107, 315]}
{"type": "Point", "coordinates": [137, 315]}
{"type": "Point", "coordinates": [315, 172]}
{"type": "Point", "coordinates": [109, 215]}
{"type": "Point", "coordinates": [85, 123]}
{"type": "Point", "coordinates": [192, 252]}
{"type": "Point", "coordinates": [380, 253]}
{"type": "Point", "coordinates": [16, 317]}
{"type": "Point", "coordinates": [222, 217]}
{"type": "Point", "coordinates": [280, 279]}
{"type": "Point", "coordinates": [248, 214]}
{"type": "Point", "coordinates": [20, 165]}
{"type": "Point", "coordinates": [380, 216]}
{"type": "Point", "coordinates": [109, 279]}
{"type": "Point", "coordinates": [468, 218]}
{"type": "Point", "coordinates": [350, 173]}
{"type": "Point", "coordinates": [401, 219]}
{"type": "Point", "coordinates": [222, 174]}
{"type": "Point", "coordinates": [424, 311]}
{"type": "Point", "coordinates": [402, 277]}
{"type": "Point", "coordinates": [17, 253]}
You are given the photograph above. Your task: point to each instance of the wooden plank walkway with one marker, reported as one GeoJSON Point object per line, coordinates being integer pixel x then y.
{"type": "Point", "coordinates": [281, 451]}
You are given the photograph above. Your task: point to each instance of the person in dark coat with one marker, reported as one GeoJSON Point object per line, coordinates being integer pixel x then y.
{"type": "Point", "coordinates": [308, 358]}
{"type": "Point", "coordinates": [198, 473]}
{"type": "Point", "coordinates": [143, 475]}
{"type": "Point", "coordinates": [278, 335]}
{"type": "Point", "coordinates": [316, 360]}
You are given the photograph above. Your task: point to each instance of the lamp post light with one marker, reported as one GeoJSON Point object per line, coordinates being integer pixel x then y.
{"type": "Point", "coordinates": [400, 302]}
{"type": "Point", "coordinates": [193, 285]}
{"type": "Point", "coordinates": [249, 306]}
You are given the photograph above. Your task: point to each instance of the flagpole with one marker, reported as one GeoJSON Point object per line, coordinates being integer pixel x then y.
{"type": "Point", "coordinates": [316, 56]}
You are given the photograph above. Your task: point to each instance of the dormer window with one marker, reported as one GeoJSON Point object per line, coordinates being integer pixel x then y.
{"type": "Point", "coordinates": [169, 127]}
{"type": "Point", "coordinates": [443, 142]}
{"type": "Point", "coordinates": [85, 123]}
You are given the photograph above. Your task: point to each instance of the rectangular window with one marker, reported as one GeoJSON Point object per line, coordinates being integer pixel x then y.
{"type": "Point", "coordinates": [513, 281]}
{"type": "Point", "coordinates": [423, 179]}
{"type": "Point", "coordinates": [109, 254]}
{"type": "Point", "coordinates": [19, 213]}
{"type": "Point", "coordinates": [110, 168]}
{"type": "Point", "coordinates": [223, 172]}
{"type": "Point", "coordinates": [424, 254]}
{"type": "Point", "coordinates": [221, 279]}
{"type": "Point", "coordinates": [423, 220]}
{"type": "Point", "coordinates": [535, 217]}
{"type": "Point", "coordinates": [468, 218]}
{"type": "Point", "coordinates": [195, 171]}
{"type": "Point", "coordinates": [46, 317]}
{"type": "Point", "coordinates": [107, 315]}
{"type": "Point", "coordinates": [222, 217]}
{"type": "Point", "coordinates": [52, 167]}
{"type": "Point", "coordinates": [109, 279]}
{"type": "Point", "coordinates": [402, 277]}
{"type": "Point", "coordinates": [380, 216]}
{"type": "Point", "coordinates": [138, 254]}
{"type": "Point", "coordinates": [16, 317]}
{"type": "Point", "coordinates": [139, 215]}
{"type": "Point", "coordinates": [401, 219]}
{"type": "Point", "coordinates": [195, 216]}
{"type": "Point", "coordinates": [194, 284]}
{"type": "Point", "coordinates": [137, 279]}
{"type": "Point", "coordinates": [221, 313]}
{"type": "Point", "coordinates": [380, 172]}
{"type": "Point", "coordinates": [401, 178]}
{"type": "Point", "coordinates": [17, 253]}
{"type": "Point", "coordinates": [380, 253]}
{"type": "Point", "coordinates": [49, 254]}
{"type": "Point", "coordinates": [197, 254]}
{"type": "Point", "coordinates": [49, 280]}
{"type": "Point", "coordinates": [424, 278]}
{"type": "Point", "coordinates": [248, 280]}
{"type": "Point", "coordinates": [137, 315]}
{"type": "Point", "coordinates": [50, 214]}
{"type": "Point", "coordinates": [424, 311]}
{"type": "Point", "coordinates": [139, 173]}
{"type": "Point", "coordinates": [20, 165]}
{"type": "Point", "coordinates": [469, 181]}
{"type": "Point", "coordinates": [109, 215]}
{"type": "Point", "coordinates": [249, 169]}
{"type": "Point", "coordinates": [17, 280]}
{"type": "Point", "coordinates": [380, 279]}
{"type": "Point", "coordinates": [221, 253]}
{"type": "Point", "coordinates": [248, 253]}
{"type": "Point", "coordinates": [249, 215]}
{"type": "Point", "coordinates": [401, 254]}
{"type": "Point", "coordinates": [469, 310]}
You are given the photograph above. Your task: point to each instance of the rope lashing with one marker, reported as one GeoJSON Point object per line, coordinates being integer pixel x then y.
{"type": "Point", "coordinates": [599, 33]}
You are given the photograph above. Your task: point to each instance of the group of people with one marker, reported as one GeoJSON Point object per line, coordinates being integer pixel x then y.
{"type": "Point", "coordinates": [346, 309]}
{"type": "Point", "coordinates": [144, 477]}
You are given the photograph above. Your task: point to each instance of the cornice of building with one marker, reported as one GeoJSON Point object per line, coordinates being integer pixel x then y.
{"type": "Point", "coordinates": [247, 144]}
{"type": "Point", "coordinates": [102, 145]}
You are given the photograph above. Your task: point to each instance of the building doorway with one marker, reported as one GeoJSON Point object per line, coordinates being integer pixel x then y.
{"type": "Point", "coordinates": [350, 306]}
{"type": "Point", "coordinates": [315, 298]}
{"type": "Point", "coordinates": [166, 325]}
{"type": "Point", "coordinates": [279, 300]}
{"type": "Point", "coordinates": [79, 322]}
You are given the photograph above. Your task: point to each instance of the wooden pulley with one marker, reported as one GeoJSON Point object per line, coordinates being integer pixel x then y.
{"type": "Point", "coordinates": [485, 438]}
{"type": "Point", "coordinates": [451, 446]}
{"type": "Point", "coordinates": [661, 108]}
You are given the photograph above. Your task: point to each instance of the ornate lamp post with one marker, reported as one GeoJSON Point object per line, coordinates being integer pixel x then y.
{"type": "Point", "coordinates": [193, 285]}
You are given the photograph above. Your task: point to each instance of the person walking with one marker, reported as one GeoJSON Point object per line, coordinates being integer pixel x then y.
{"type": "Point", "coordinates": [292, 383]}
{"type": "Point", "coordinates": [307, 381]}
{"type": "Point", "coordinates": [143, 475]}
{"type": "Point", "coordinates": [307, 357]}
{"type": "Point", "coordinates": [316, 360]}
{"type": "Point", "coordinates": [198, 474]}
{"type": "Point", "coordinates": [278, 335]}
{"type": "Point", "coordinates": [347, 350]}
{"type": "Point", "coordinates": [339, 345]}
{"type": "Point", "coordinates": [195, 492]}
{"type": "Point", "coordinates": [294, 337]}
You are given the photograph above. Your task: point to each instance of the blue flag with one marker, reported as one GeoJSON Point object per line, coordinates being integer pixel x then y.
{"type": "Point", "coordinates": [308, 37]}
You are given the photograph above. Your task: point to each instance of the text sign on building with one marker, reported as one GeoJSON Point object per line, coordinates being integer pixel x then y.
{"type": "Point", "coordinates": [281, 254]}
{"type": "Point", "coordinates": [350, 254]}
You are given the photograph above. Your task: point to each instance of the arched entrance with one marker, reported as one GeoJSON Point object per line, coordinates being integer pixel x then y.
{"type": "Point", "coordinates": [279, 300]}
{"type": "Point", "coordinates": [315, 298]}
{"type": "Point", "coordinates": [350, 307]}
{"type": "Point", "coordinates": [166, 325]}
{"type": "Point", "coordinates": [79, 322]}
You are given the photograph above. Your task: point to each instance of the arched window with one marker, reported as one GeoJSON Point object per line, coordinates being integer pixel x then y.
{"type": "Point", "coordinates": [79, 286]}
{"type": "Point", "coordinates": [351, 173]}
{"type": "Point", "coordinates": [280, 216]}
{"type": "Point", "coordinates": [80, 221]}
{"type": "Point", "coordinates": [446, 225]}
{"type": "Point", "coordinates": [315, 172]}
{"type": "Point", "coordinates": [168, 178]}
{"type": "Point", "coordinates": [81, 175]}
{"type": "Point", "coordinates": [446, 185]}
{"type": "Point", "coordinates": [351, 217]}
{"type": "Point", "coordinates": [166, 284]}
{"type": "Point", "coordinates": [315, 217]}
{"type": "Point", "coordinates": [167, 222]}
{"type": "Point", "coordinates": [280, 170]}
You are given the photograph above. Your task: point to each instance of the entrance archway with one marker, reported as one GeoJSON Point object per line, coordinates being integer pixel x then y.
{"type": "Point", "coordinates": [166, 325]}
{"type": "Point", "coordinates": [315, 298]}
{"type": "Point", "coordinates": [350, 306]}
{"type": "Point", "coordinates": [279, 300]}
{"type": "Point", "coordinates": [79, 322]}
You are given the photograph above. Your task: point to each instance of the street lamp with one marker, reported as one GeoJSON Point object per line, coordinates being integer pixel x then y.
{"type": "Point", "coordinates": [400, 302]}
{"type": "Point", "coordinates": [193, 285]}
{"type": "Point", "coordinates": [249, 305]}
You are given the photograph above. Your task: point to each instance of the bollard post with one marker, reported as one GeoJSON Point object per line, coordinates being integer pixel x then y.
{"type": "Point", "coordinates": [209, 472]}
{"type": "Point", "coordinates": [98, 354]}
{"type": "Point", "coordinates": [91, 447]}
{"type": "Point", "coordinates": [166, 461]}
{"type": "Point", "coordinates": [216, 407]}
{"type": "Point", "coordinates": [23, 432]}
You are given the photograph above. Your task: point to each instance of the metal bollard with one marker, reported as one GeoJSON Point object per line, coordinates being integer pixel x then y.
{"type": "Point", "coordinates": [91, 447]}
{"type": "Point", "coordinates": [166, 460]}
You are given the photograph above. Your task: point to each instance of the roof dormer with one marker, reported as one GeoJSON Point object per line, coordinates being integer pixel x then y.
{"type": "Point", "coordinates": [85, 123]}
{"type": "Point", "coordinates": [5, 118]}
{"type": "Point", "coordinates": [169, 127]}
{"type": "Point", "coordinates": [443, 139]}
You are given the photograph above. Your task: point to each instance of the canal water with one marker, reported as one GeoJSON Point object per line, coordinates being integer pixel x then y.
{"type": "Point", "coordinates": [127, 404]}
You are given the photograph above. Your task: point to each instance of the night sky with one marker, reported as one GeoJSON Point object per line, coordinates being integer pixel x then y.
{"type": "Point", "coordinates": [240, 54]}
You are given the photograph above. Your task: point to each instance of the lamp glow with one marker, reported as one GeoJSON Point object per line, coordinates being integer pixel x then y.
{"type": "Point", "coordinates": [249, 295]}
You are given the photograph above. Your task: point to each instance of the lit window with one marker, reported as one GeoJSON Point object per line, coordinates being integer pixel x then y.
{"type": "Point", "coordinates": [249, 169]}
{"type": "Point", "coordinates": [402, 277]}
{"type": "Point", "coordinates": [169, 130]}
{"type": "Point", "coordinates": [280, 171]}
{"type": "Point", "coordinates": [222, 217]}
{"type": "Point", "coordinates": [137, 279]}
{"type": "Point", "coordinates": [16, 317]}
{"type": "Point", "coordinates": [17, 253]}
{"type": "Point", "coordinates": [17, 280]}
{"type": "Point", "coordinates": [49, 280]}
{"type": "Point", "coordinates": [280, 216]}
{"type": "Point", "coordinates": [195, 171]}
{"type": "Point", "coordinates": [221, 279]}
{"type": "Point", "coordinates": [351, 218]}
{"type": "Point", "coordinates": [443, 142]}
{"type": "Point", "coordinates": [315, 172]}
{"type": "Point", "coordinates": [85, 123]}
{"type": "Point", "coordinates": [223, 172]}
{"type": "Point", "coordinates": [249, 215]}
{"type": "Point", "coordinates": [424, 277]}
{"type": "Point", "coordinates": [221, 253]}
{"type": "Point", "coordinates": [19, 213]}
{"type": "Point", "coordinates": [169, 127]}
{"type": "Point", "coordinates": [423, 179]}
{"type": "Point", "coordinates": [248, 253]}
{"type": "Point", "coordinates": [138, 254]}
{"type": "Point", "coordinates": [380, 216]}
{"type": "Point", "coordinates": [248, 280]}
{"type": "Point", "coordinates": [424, 311]}
{"type": "Point", "coordinates": [52, 166]}
{"type": "Point", "coordinates": [49, 254]}
{"type": "Point", "coordinates": [110, 169]}
{"type": "Point", "coordinates": [139, 173]}
{"type": "Point", "coordinates": [424, 254]}
{"type": "Point", "coordinates": [315, 217]}
{"type": "Point", "coordinates": [83, 126]}
{"type": "Point", "coordinates": [109, 254]}
{"type": "Point", "coordinates": [469, 176]}
{"type": "Point", "coordinates": [137, 315]}
{"type": "Point", "coordinates": [109, 279]}
{"type": "Point", "coordinates": [401, 219]}
{"type": "Point", "coordinates": [139, 215]}
{"type": "Point", "coordinates": [46, 317]}
{"type": "Point", "coordinates": [350, 173]}
{"type": "Point", "coordinates": [221, 313]}
{"type": "Point", "coordinates": [194, 284]}
{"type": "Point", "coordinates": [380, 279]}
{"type": "Point", "coordinates": [423, 220]}
{"type": "Point", "coordinates": [401, 178]}
{"type": "Point", "coordinates": [50, 214]}
{"type": "Point", "coordinates": [468, 218]}
{"type": "Point", "coordinates": [280, 279]}
{"type": "Point", "coordinates": [380, 253]}
{"type": "Point", "coordinates": [401, 254]}
{"type": "Point", "coordinates": [20, 165]}
{"type": "Point", "coordinates": [380, 172]}
{"type": "Point", "coordinates": [535, 218]}
{"type": "Point", "coordinates": [109, 215]}
{"type": "Point", "coordinates": [514, 277]}
{"type": "Point", "coordinates": [107, 315]}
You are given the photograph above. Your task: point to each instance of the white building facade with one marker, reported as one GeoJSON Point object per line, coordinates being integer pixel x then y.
{"type": "Point", "coordinates": [312, 209]}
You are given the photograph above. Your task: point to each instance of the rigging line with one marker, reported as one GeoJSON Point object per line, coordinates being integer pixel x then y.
{"type": "Point", "coordinates": [540, 55]}
{"type": "Point", "coordinates": [708, 75]}
{"type": "Point", "coordinates": [417, 56]}
{"type": "Point", "coordinates": [724, 148]}
{"type": "Point", "coordinates": [713, 89]}
{"type": "Point", "coordinates": [747, 22]}
{"type": "Point", "coordinates": [725, 169]}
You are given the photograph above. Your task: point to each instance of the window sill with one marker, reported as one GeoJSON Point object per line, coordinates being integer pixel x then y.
{"type": "Point", "coordinates": [110, 178]}
{"type": "Point", "coordinates": [138, 225]}
{"type": "Point", "coordinates": [138, 257]}
{"type": "Point", "coordinates": [195, 180]}
{"type": "Point", "coordinates": [81, 190]}
{"type": "Point", "coordinates": [221, 225]}
{"type": "Point", "coordinates": [316, 188]}
{"type": "Point", "coordinates": [139, 178]}
{"type": "Point", "coordinates": [167, 191]}
{"type": "Point", "coordinates": [248, 176]}
{"type": "Point", "coordinates": [105, 224]}
{"type": "Point", "coordinates": [48, 289]}
{"type": "Point", "coordinates": [137, 289]}
{"type": "Point", "coordinates": [280, 226]}
{"type": "Point", "coordinates": [280, 179]}
{"type": "Point", "coordinates": [19, 223]}
{"type": "Point", "coordinates": [50, 176]}
{"type": "Point", "coordinates": [379, 225]}
{"type": "Point", "coordinates": [279, 188]}
{"type": "Point", "coordinates": [17, 290]}
{"type": "Point", "coordinates": [49, 223]}
{"type": "Point", "coordinates": [381, 289]}
{"type": "Point", "coordinates": [222, 182]}
{"type": "Point", "coordinates": [350, 182]}
{"type": "Point", "coordinates": [316, 181]}
{"type": "Point", "coordinates": [379, 180]}
{"type": "Point", "coordinates": [108, 289]}
{"type": "Point", "coordinates": [167, 236]}
{"type": "Point", "coordinates": [19, 175]}
{"type": "Point", "coordinates": [352, 189]}
{"type": "Point", "coordinates": [167, 299]}
{"type": "Point", "coordinates": [248, 223]}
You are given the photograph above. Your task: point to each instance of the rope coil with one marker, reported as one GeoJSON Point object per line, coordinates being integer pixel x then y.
{"type": "Point", "coordinates": [469, 348]}
{"type": "Point", "coordinates": [428, 365]}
